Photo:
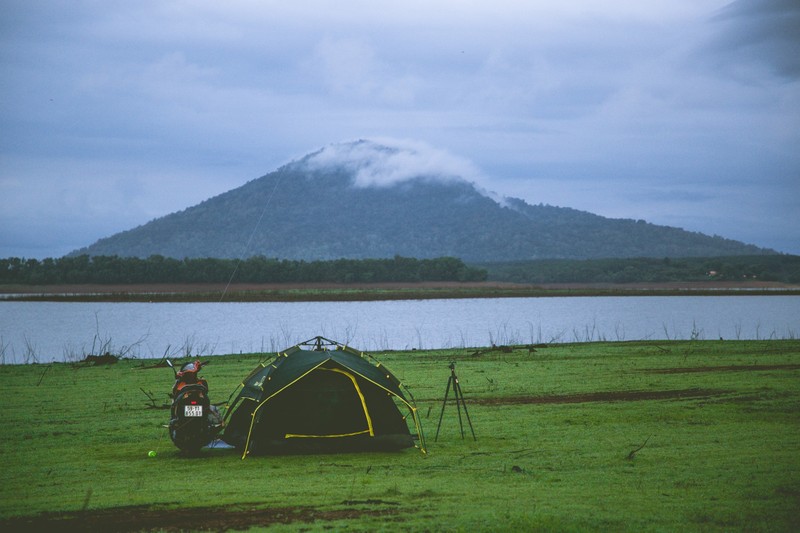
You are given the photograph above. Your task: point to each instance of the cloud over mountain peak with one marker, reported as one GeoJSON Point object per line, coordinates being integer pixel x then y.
{"type": "Point", "coordinates": [385, 162]}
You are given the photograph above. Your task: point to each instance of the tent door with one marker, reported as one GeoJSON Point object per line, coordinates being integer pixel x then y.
{"type": "Point", "coordinates": [366, 424]}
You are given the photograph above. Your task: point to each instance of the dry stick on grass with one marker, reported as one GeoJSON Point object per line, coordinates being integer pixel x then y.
{"type": "Point", "coordinates": [633, 452]}
{"type": "Point", "coordinates": [42, 376]}
{"type": "Point", "coordinates": [163, 360]}
{"type": "Point", "coordinates": [150, 397]}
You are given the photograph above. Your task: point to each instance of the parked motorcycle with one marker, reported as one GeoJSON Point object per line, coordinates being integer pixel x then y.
{"type": "Point", "coordinates": [194, 421]}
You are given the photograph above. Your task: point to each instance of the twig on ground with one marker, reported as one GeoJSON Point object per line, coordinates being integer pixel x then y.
{"type": "Point", "coordinates": [633, 452]}
{"type": "Point", "coordinates": [150, 398]}
{"type": "Point", "coordinates": [43, 373]}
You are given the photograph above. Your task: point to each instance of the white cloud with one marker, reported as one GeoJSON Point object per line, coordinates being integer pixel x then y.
{"type": "Point", "coordinates": [384, 162]}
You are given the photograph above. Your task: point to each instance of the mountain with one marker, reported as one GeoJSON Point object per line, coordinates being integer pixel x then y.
{"type": "Point", "coordinates": [369, 200]}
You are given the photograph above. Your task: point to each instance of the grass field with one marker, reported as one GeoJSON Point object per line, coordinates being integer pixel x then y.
{"type": "Point", "coordinates": [628, 436]}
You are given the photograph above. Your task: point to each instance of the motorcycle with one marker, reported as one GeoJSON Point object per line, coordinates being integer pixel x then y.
{"type": "Point", "coordinates": [194, 421]}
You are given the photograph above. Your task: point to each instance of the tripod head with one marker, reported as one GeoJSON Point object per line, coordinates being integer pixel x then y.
{"type": "Point", "coordinates": [452, 367]}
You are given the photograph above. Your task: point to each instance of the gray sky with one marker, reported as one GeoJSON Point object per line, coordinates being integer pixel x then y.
{"type": "Point", "coordinates": [679, 112]}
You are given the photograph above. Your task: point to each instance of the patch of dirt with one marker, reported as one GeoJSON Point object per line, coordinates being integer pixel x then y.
{"type": "Point", "coordinates": [729, 368]}
{"type": "Point", "coordinates": [606, 396]}
{"type": "Point", "coordinates": [146, 518]}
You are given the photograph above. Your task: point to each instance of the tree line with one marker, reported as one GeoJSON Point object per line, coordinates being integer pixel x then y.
{"type": "Point", "coordinates": [83, 269]}
{"type": "Point", "coordinates": [781, 268]}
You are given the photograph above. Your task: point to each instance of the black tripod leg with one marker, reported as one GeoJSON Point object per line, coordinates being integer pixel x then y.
{"type": "Point", "coordinates": [459, 402]}
{"type": "Point", "coordinates": [461, 395]}
{"type": "Point", "coordinates": [446, 392]}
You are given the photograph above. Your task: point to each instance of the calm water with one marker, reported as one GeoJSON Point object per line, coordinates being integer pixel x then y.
{"type": "Point", "coordinates": [53, 331]}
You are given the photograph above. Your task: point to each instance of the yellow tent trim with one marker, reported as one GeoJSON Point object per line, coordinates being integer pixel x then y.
{"type": "Point", "coordinates": [411, 407]}
{"type": "Point", "coordinates": [360, 397]}
{"type": "Point", "coordinates": [263, 402]}
{"type": "Point", "coordinates": [292, 435]}
{"type": "Point", "coordinates": [369, 429]}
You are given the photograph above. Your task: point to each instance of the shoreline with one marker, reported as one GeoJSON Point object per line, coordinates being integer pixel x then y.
{"type": "Point", "coordinates": [279, 292]}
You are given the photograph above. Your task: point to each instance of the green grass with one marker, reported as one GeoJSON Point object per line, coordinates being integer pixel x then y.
{"type": "Point", "coordinates": [554, 444]}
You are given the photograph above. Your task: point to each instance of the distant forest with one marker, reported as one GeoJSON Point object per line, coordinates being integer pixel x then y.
{"type": "Point", "coordinates": [158, 269]}
{"type": "Point", "coordinates": [781, 268]}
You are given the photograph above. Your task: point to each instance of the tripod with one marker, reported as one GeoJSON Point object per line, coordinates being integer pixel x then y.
{"type": "Point", "coordinates": [453, 381]}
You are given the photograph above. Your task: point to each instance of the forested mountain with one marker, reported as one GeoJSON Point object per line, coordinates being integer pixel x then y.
{"type": "Point", "coordinates": [322, 207]}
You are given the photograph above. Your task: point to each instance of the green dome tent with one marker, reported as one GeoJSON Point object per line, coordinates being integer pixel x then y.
{"type": "Point", "coordinates": [321, 396]}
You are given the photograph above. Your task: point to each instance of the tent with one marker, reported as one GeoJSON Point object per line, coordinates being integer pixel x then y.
{"type": "Point", "coordinates": [318, 397]}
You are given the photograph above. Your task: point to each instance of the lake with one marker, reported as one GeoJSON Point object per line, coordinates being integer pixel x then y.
{"type": "Point", "coordinates": [67, 331]}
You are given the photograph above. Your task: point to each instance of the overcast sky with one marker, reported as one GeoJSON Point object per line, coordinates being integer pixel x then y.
{"type": "Point", "coordinates": [680, 112]}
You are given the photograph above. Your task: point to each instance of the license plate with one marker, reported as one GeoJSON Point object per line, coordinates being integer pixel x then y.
{"type": "Point", "coordinates": [192, 410]}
